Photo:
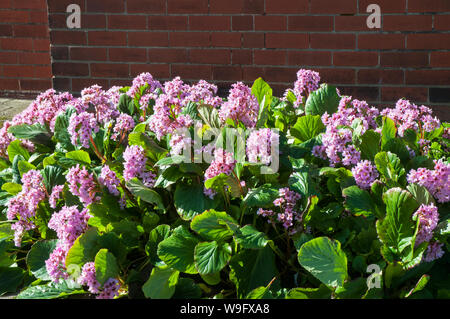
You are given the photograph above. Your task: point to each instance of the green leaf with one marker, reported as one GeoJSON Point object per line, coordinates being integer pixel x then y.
{"type": "Point", "coordinates": [325, 260]}
{"type": "Point", "coordinates": [388, 164]}
{"type": "Point", "coordinates": [261, 197]}
{"type": "Point", "coordinates": [84, 249]}
{"type": "Point", "coordinates": [421, 194]}
{"type": "Point", "coordinates": [251, 269]}
{"type": "Point", "coordinates": [325, 99]}
{"type": "Point", "coordinates": [397, 230]}
{"type": "Point", "coordinates": [323, 292]}
{"type": "Point", "coordinates": [359, 202]}
{"type": "Point", "coordinates": [354, 289]}
{"type": "Point", "coordinates": [10, 279]}
{"type": "Point", "coordinates": [370, 145]}
{"type": "Point", "coordinates": [52, 176]}
{"type": "Point", "coordinates": [209, 115]}
{"type": "Point", "coordinates": [398, 147]}
{"type": "Point", "coordinates": [12, 188]}
{"type": "Point", "coordinates": [156, 236]}
{"type": "Point", "coordinates": [161, 284]}
{"type": "Point", "coordinates": [388, 132]}
{"type": "Point", "coordinates": [211, 257]}
{"type": "Point", "coordinates": [37, 256]}
{"type": "Point", "coordinates": [105, 266]}
{"type": "Point", "coordinates": [177, 251]}
{"type": "Point", "coordinates": [307, 127]}
{"type": "Point", "coordinates": [249, 238]}
{"type": "Point", "coordinates": [212, 225]}
{"type": "Point", "coordinates": [62, 135]}
{"type": "Point", "coordinates": [218, 183]}
{"type": "Point", "coordinates": [15, 148]}
{"type": "Point", "coordinates": [80, 156]}
{"type": "Point", "coordinates": [24, 167]}
{"type": "Point", "coordinates": [423, 281]}
{"type": "Point", "coordinates": [261, 89]}
{"type": "Point", "coordinates": [29, 132]}
{"type": "Point", "coordinates": [187, 289]}
{"type": "Point", "coordinates": [50, 291]}
{"type": "Point", "coordinates": [190, 201]}
{"type": "Point", "coordinates": [137, 188]}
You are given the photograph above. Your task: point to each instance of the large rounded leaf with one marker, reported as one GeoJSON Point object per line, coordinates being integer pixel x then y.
{"type": "Point", "coordinates": [37, 256]}
{"type": "Point", "coordinates": [325, 99]}
{"type": "Point", "coordinates": [212, 225]}
{"type": "Point", "coordinates": [211, 257]}
{"type": "Point", "coordinates": [325, 260]}
{"type": "Point", "coordinates": [161, 284]}
{"type": "Point", "coordinates": [190, 201]}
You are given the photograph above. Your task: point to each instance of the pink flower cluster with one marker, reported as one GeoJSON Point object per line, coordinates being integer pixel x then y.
{"type": "Point", "coordinates": [241, 105]}
{"type": "Point", "coordinates": [259, 145]}
{"type": "Point", "coordinates": [410, 116]}
{"type": "Point", "coordinates": [69, 223]}
{"type": "Point", "coordinates": [88, 278]}
{"type": "Point", "coordinates": [288, 216]}
{"type": "Point", "coordinates": [307, 82]}
{"type": "Point", "coordinates": [101, 100]}
{"type": "Point", "coordinates": [82, 184]}
{"type": "Point", "coordinates": [124, 124]}
{"type": "Point", "coordinates": [55, 195]}
{"type": "Point", "coordinates": [428, 219]}
{"type": "Point", "coordinates": [203, 92]}
{"type": "Point", "coordinates": [434, 252]}
{"type": "Point", "coordinates": [109, 179]}
{"type": "Point", "coordinates": [24, 205]}
{"type": "Point", "coordinates": [142, 80]}
{"type": "Point", "coordinates": [178, 143]}
{"type": "Point", "coordinates": [436, 181]}
{"type": "Point", "coordinates": [365, 173]}
{"type": "Point", "coordinates": [81, 127]}
{"type": "Point", "coordinates": [135, 165]}
{"type": "Point", "coordinates": [223, 162]}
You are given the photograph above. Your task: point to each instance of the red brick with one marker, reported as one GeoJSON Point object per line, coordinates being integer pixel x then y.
{"type": "Point", "coordinates": [114, 6]}
{"type": "Point", "coordinates": [242, 57]}
{"type": "Point", "coordinates": [148, 39]}
{"type": "Point", "coordinates": [303, 58]}
{"type": "Point", "coordinates": [187, 6]}
{"type": "Point", "coordinates": [230, 6]}
{"type": "Point", "coordinates": [428, 77]}
{"type": "Point", "coordinates": [333, 7]}
{"type": "Point", "coordinates": [60, 6]}
{"type": "Point", "coordinates": [108, 38]}
{"type": "Point", "coordinates": [34, 58]}
{"type": "Point", "coordinates": [9, 84]}
{"type": "Point", "coordinates": [79, 84]}
{"type": "Point", "coordinates": [93, 21]}
{"type": "Point", "coordinates": [127, 22]}
{"type": "Point", "coordinates": [355, 58]}
{"type": "Point", "coordinates": [332, 41]}
{"type": "Point", "coordinates": [192, 39]}
{"type": "Point", "coordinates": [35, 4]}
{"type": "Point", "coordinates": [408, 23]}
{"type": "Point", "coordinates": [351, 23]}
{"type": "Point", "coordinates": [413, 94]}
{"type": "Point", "coordinates": [209, 56]}
{"type": "Point", "coordinates": [440, 59]}
{"type": "Point", "coordinates": [41, 45]}
{"type": "Point", "coordinates": [69, 37]}
{"type": "Point", "coordinates": [404, 59]}
{"type": "Point", "coordinates": [8, 57]}
{"type": "Point", "coordinates": [88, 54]}
{"type": "Point", "coordinates": [337, 76]}
{"type": "Point", "coordinates": [242, 23]}
{"type": "Point", "coordinates": [387, 6]}
{"type": "Point", "coordinates": [109, 70]}
{"type": "Point", "coordinates": [35, 85]}
{"type": "Point", "coordinates": [58, 21]}
{"type": "Point", "coordinates": [16, 17]}
{"type": "Point", "coordinates": [17, 44]}
{"type": "Point", "coordinates": [167, 55]}
{"type": "Point", "coordinates": [17, 71]}
{"type": "Point", "coordinates": [213, 23]}
{"type": "Point", "coordinates": [429, 41]}
{"type": "Point", "coordinates": [59, 53]}
{"type": "Point", "coordinates": [6, 4]}
{"type": "Point", "coordinates": [6, 30]}
{"type": "Point", "coordinates": [380, 76]}
{"type": "Point", "coordinates": [287, 6]}
{"type": "Point", "coordinates": [146, 6]}
{"type": "Point", "coordinates": [70, 69]}
{"type": "Point", "coordinates": [62, 84]}
{"type": "Point", "coordinates": [253, 40]}
{"type": "Point", "coordinates": [271, 23]}
{"type": "Point", "coordinates": [442, 22]}
{"type": "Point", "coordinates": [270, 74]}
{"type": "Point", "coordinates": [227, 73]}
{"type": "Point", "coordinates": [269, 57]}
{"type": "Point", "coordinates": [42, 72]}
{"type": "Point", "coordinates": [428, 6]}
{"type": "Point", "coordinates": [39, 17]}
{"type": "Point", "coordinates": [366, 93]}
{"type": "Point", "coordinates": [310, 24]}
{"type": "Point", "coordinates": [31, 31]}
{"type": "Point", "coordinates": [287, 40]}
{"type": "Point", "coordinates": [189, 71]}
{"type": "Point", "coordinates": [159, 71]}
{"type": "Point", "coordinates": [253, 6]}
{"type": "Point", "coordinates": [127, 55]}
{"type": "Point", "coordinates": [167, 22]}
{"type": "Point", "coordinates": [381, 41]}
{"type": "Point", "coordinates": [226, 39]}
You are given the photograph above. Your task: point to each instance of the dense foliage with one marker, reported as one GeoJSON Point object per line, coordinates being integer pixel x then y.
{"type": "Point", "coordinates": [139, 192]}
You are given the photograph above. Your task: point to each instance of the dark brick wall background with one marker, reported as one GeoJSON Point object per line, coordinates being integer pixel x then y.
{"type": "Point", "coordinates": [225, 41]}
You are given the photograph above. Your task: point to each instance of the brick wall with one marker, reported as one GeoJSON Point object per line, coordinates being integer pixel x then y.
{"type": "Point", "coordinates": [25, 66]}
{"type": "Point", "coordinates": [224, 41]}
